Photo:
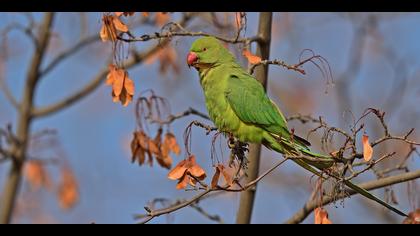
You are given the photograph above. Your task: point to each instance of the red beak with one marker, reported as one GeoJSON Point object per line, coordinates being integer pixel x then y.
{"type": "Point", "coordinates": [191, 58]}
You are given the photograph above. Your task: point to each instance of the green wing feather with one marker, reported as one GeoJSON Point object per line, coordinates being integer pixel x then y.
{"type": "Point", "coordinates": [249, 101]}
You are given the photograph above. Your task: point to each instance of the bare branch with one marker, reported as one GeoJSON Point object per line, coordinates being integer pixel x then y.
{"type": "Point", "coordinates": [171, 118]}
{"type": "Point", "coordinates": [169, 35]}
{"type": "Point", "coordinates": [8, 93]}
{"type": "Point", "coordinates": [136, 58]}
{"type": "Point", "coordinates": [200, 210]}
{"type": "Point", "coordinates": [155, 213]}
{"type": "Point", "coordinates": [279, 63]}
{"type": "Point", "coordinates": [67, 53]}
{"type": "Point", "coordinates": [371, 185]}
{"type": "Point", "coordinates": [18, 149]}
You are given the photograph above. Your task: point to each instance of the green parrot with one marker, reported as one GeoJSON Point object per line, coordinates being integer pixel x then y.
{"type": "Point", "coordinates": [238, 105]}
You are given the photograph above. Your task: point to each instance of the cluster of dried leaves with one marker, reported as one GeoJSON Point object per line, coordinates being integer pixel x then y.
{"type": "Point", "coordinates": [221, 170]}
{"type": "Point", "coordinates": [123, 88]}
{"type": "Point", "coordinates": [113, 26]}
{"type": "Point", "coordinates": [67, 189]}
{"type": "Point", "coordinates": [142, 144]}
{"type": "Point", "coordinates": [154, 109]}
{"type": "Point", "coordinates": [187, 172]}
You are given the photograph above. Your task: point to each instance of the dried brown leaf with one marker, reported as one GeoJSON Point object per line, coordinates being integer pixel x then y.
{"type": "Point", "coordinates": [119, 25]}
{"type": "Point", "coordinates": [179, 171]}
{"type": "Point", "coordinates": [413, 218]}
{"type": "Point", "coordinates": [367, 149]}
{"type": "Point", "coordinates": [215, 179]}
{"type": "Point", "coordinates": [195, 170]}
{"type": "Point", "coordinates": [36, 174]}
{"type": "Point", "coordinates": [183, 182]}
{"type": "Point", "coordinates": [253, 59]}
{"type": "Point", "coordinates": [68, 190]}
{"type": "Point", "coordinates": [321, 216]}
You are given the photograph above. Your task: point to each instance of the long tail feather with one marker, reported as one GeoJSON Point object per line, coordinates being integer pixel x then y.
{"type": "Point", "coordinates": [354, 187]}
{"type": "Point", "coordinates": [285, 147]}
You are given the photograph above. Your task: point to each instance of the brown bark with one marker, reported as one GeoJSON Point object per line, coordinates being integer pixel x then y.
{"type": "Point", "coordinates": [263, 50]}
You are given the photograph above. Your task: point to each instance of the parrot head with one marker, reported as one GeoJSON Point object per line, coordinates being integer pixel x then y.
{"type": "Point", "coordinates": [206, 52]}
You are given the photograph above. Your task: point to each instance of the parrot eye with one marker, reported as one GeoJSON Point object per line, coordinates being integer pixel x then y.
{"type": "Point", "coordinates": [204, 49]}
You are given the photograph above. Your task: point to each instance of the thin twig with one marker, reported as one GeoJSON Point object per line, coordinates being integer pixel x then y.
{"type": "Point", "coordinates": [67, 53]}
{"type": "Point", "coordinates": [301, 215]}
{"type": "Point", "coordinates": [136, 59]}
{"type": "Point", "coordinates": [169, 35]}
{"type": "Point", "coordinates": [155, 213]}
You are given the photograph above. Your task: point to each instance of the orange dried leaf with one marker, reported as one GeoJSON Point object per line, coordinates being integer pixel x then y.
{"type": "Point", "coordinates": [170, 144]}
{"type": "Point", "coordinates": [129, 85]}
{"type": "Point", "coordinates": [253, 59]}
{"type": "Point", "coordinates": [36, 174]}
{"type": "Point", "coordinates": [321, 216]}
{"type": "Point", "coordinates": [104, 33]}
{"type": "Point", "coordinates": [215, 179]}
{"type": "Point", "coordinates": [134, 147]}
{"type": "Point", "coordinates": [142, 139]}
{"type": "Point", "coordinates": [145, 14]}
{"type": "Point", "coordinates": [367, 149]}
{"type": "Point", "coordinates": [195, 170]}
{"type": "Point", "coordinates": [118, 14]}
{"type": "Point", "coordinates": [68, 190]}
{"type": "Point", "coordinates": [183, 171]}
{"type": "Point", "coordinates": [183, 182]}
{"type": "Point", "coordinates": [164, 161]}
{"type": "Point", "coordinates": [413, 218]}
{"type": "Point", "coordinates": [141, 156]}
{"type": "Point", "coordinates": [226, 174]}
{"type": "Point", "coordinates": [108, 30]}
{"type": "Point", "coordinates": [110, 78]}
{"type": "Point", "coordinates": [118, 85]}
{"type": "Point", "coordinates": [164, 149]}
{"type": "Point", "coordinates": [153, 147]}
{"type": "Point", "coordinates": [119, 25]}
{"type": "Point", "coordinates": [125, 98]}
{"type": "Point", "coordinates": [150, 157]}
{"type": "Point", "coordinates": [137, 151]}
{"type": "Point", "coordinates": [123, 88]}
{"type": "Point", "coordinates": [179, 171]}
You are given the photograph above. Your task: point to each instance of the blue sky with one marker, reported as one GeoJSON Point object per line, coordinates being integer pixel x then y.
{"type": "Point", "coordinates": [95, 133]}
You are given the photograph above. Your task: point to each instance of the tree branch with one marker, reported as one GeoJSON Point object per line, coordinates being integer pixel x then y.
{"type": "Point", "coordinates": [18, 149]}
{"type": "Point", "coordinates": [155, 213]}
{"type": "Point", "coordinates": [168, 35]}
{"type": "Point", "coordinates": [137, 58]}
{"type": "Point", "coordinates": [263, 51]}
{"type": "Point", "coordinates": [301, 215]}
{"type": "Point", "coordinates": [67, 53]}
{"type": "Point", "coordinates": [8, 94]}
